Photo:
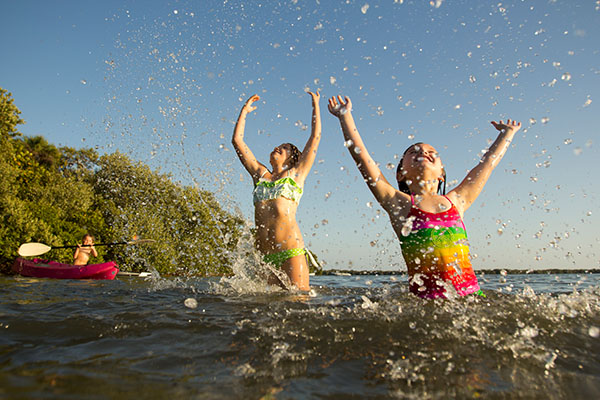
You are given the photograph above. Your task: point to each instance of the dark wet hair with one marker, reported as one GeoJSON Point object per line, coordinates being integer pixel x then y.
{"type": "Point", "coordinates": [403, 187]}
{"type": "Point", "coordinates": [295, 157]}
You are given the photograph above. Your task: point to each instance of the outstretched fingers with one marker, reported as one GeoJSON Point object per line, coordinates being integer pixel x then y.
{"type": "Point", "coordinates": [248, 105]}
{"type": "Point", "coordinates": [338, 106]}
{"type": "Point", "coordinates": [510, 124]}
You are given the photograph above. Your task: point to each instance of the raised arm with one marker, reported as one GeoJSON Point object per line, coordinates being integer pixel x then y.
{"type": "Point", "coordinates": [307, 158]}
{"type": "Point", "coordinates": [379, 186]}
{"type": "Point", "coordinates": [241, 148]}
{"type": "Point", "coordinates": [468, 190]}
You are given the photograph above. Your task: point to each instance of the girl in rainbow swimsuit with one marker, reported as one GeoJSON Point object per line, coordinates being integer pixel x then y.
{"type": "Point", "coordinates": [428, 224]}
{"type": "Point", "coordinates": [277, 193]}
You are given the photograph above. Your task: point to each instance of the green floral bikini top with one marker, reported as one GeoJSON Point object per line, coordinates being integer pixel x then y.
{"type": "Point", "coordinates": [284, 187]}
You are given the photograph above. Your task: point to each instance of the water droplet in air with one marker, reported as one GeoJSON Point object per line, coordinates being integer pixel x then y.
{"type": "Point", "coordinates": [364, 8]}
{"type": "Point", "coordinates": [594, 331]}
{"type": "Point", "coordinates": [532, 121]}
{"type": "Point", "coordinates": [407, 226]}
{"type": "Point", "coordinates": [348, 143]}
{"type": "Point", "coordinates": [390, 166]}
{"type": "Point", "coordinates": [332, 80]}
{"type": "Point", "coordinates": [545, 120]}
{"type": "Point", "coordinates": [568, 141]}
{"type": "Point", "coordinates": [472, 79]}
{"type": "Point", "coordinates": [370, 204]}
{"type": "Point", "coordinates": [577, 151]}
{"type": "Point", "coordinates": [566, 76]}
{"type": "Point", "coordinates": [83, 82]}
{"type": "Point", "coordinates": [190, 303]}
{"type": "Point", "coordinates": [411, 137]}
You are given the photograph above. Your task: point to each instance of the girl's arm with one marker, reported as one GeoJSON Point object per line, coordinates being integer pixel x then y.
{"type": "Point", "coordinates": [379, 186]}
{"type": "Point", "coordinates": [94, 252]}
{"type": "Point", "coordinates": [468, 190]}
{"type": "Point", "coordinates": [243, 151]}
{"type": "Point", "coordinates": [309, 153]}
{"type": "Point", "coordinates": [76, 254]}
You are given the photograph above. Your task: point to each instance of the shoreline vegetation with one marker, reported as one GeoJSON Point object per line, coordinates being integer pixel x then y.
{"type": "Point", "coordinates": [55, 195]}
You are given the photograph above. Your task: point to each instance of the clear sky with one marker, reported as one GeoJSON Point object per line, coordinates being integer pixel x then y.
{"type": "Point", "coordinates": [164, 82]}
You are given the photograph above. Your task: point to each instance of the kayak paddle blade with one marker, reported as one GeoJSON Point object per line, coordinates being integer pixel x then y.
{"type": "Point", "coordinates": [33, 249]}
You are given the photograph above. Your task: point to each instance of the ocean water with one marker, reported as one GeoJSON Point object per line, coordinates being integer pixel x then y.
{"type": "Point", "coordinates": [356, 337]}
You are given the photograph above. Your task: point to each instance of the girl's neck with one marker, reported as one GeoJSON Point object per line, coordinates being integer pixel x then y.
{"type": "Point", "coordinates": [279, 169]}
{"type": "Point", "coordinates": [429, 188]}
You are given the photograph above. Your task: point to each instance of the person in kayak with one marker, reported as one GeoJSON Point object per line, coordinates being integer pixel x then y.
{"type": "Point", "coordinates": [277, 194]}
{"type": "Point", "coordinates": [85, 250]}
{"type": "Point", "coordinates": [428, 223]}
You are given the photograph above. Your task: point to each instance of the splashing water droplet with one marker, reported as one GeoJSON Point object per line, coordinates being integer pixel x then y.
{"type": "Point", "coordinates": [364, 8]}
{"type": "Point", "coordinates": [472, 79]}
{"type": "Point", "coordinates": [545, 120]}
{"type": "Point", "coordinates": [190, 303]}
{"type": "Point", "coordinates": [566, 76]}
{"type": "Point", "coordinates": [411, 137]}
{"type": "Point", "coordinates": [532, 121]}
{"type": "Point", "coordinates": [390, 166]}
{"type": "Point", "coordinates": [332, 80]}
{"type": "Point", "coordinates": [370, 204]}
{"type": "Point", "coordinates": [568, 141]}
{"type": "Point", "coordinates": [83, 82]}
{"type": "Point", "coordinates": [407, 226]}
{"type": "Point", "coordinates": [594, 331]}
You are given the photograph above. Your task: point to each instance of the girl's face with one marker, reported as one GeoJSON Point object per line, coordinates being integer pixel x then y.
{"type": "Point", "coordinates": [422, 161]}
{"type": "Point", "coordinates": [88, 240]}
{"type": "Point", "coordinates": [281, 154]}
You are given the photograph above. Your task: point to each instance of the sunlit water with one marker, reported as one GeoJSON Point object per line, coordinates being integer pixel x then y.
{"type": "Point", "coordinates": [534, 336]}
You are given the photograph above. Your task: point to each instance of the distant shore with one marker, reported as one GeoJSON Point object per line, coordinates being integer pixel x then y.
{"type": "Point", "coordinates": [552, 271]}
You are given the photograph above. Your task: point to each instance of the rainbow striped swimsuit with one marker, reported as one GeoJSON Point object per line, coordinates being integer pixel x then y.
{"type": "Point", "coordinates": [436, 252]}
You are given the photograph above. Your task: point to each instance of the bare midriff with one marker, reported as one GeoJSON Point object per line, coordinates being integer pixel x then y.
{"type": "Point", "coordinates": [276, 226]}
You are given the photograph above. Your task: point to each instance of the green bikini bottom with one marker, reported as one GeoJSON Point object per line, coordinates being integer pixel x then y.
{"type": "Point", "coordinates": [277, 259]}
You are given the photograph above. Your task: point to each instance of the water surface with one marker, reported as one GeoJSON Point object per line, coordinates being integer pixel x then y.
{"type": "Point", "coordinates": [534, 336]}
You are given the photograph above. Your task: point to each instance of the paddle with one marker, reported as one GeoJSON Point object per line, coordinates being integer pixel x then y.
{"type": "Point", "coordinates": [37, 249]}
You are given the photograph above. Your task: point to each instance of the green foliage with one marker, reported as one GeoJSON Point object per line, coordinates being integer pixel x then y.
{"type": "Point", "coordinates": [193, 233]}
{"type": "Point", "coordinates": [56, 195]}
{"type": "Point", "coordinates": [9, 116]}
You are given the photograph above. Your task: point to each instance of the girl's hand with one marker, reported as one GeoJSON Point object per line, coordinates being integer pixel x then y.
{"type": "Point", "coordinates": [511, 125]}
{"type": "Point", "coordinates": [315, 97]}
{"type": "Point", "coordinates": [339, 107]}
{"type": "Point", "coordinates": [248, 108]}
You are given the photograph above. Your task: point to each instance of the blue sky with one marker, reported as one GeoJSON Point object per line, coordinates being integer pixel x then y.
{"type": "Point", "coordinates": [164, 82]}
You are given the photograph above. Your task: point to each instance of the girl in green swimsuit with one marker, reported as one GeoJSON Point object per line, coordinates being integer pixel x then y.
{"type": "Point", "coordinates": [277, 193]}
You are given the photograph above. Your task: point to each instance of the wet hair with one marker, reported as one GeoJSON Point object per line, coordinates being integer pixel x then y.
{"type": "Point", "coordinates": [295, 157]}
{"type": "Point", "coordinates": [87, 235]}
{"type": "Point", "coordinates": [403, 186]}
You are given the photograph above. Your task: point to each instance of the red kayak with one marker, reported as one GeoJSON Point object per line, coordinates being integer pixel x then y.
{"type": "Point", "coordinates": [38, 268]}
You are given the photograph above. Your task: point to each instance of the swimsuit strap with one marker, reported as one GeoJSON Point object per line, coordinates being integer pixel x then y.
{"type": "Point", "coordinates": [446, 197]}
{"type": "Point", "coordinates": [412, 199]}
